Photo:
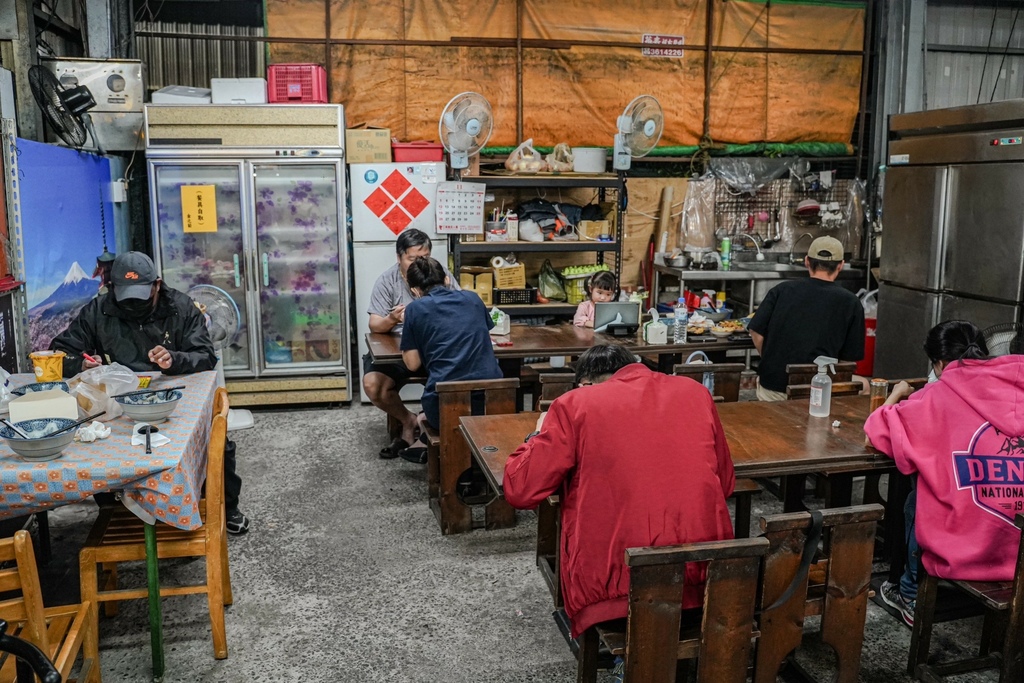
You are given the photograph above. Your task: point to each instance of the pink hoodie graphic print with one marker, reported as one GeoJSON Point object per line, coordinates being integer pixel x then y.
{"type": "Point", "coordinates": [964, 438]}
{"type": "Point", "coordinates": [993, 470]}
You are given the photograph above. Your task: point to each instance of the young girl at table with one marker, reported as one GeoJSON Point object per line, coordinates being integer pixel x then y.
{"type": "Point", "coordinates": [601, 288]}
{"type": "Point", "coordinates": [962, 439]}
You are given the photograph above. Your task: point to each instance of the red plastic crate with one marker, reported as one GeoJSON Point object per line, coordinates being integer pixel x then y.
{"type": "Point", "coordinates": [293, 83]}
{"type": "Point", "coordinates": [417, 151]}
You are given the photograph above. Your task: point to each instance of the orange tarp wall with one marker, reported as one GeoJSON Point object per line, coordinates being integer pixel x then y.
{"type": "Point", "coordinates": [574, 94]}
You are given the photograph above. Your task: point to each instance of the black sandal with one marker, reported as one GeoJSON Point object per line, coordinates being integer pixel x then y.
{"type": "Point", "coordinates": [416, 454]}
{"type": "Point", "coordinates": [397, 445]}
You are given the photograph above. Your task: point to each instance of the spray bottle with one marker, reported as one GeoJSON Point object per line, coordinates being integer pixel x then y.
{"type": "Point", "coordinates": [821, 387]}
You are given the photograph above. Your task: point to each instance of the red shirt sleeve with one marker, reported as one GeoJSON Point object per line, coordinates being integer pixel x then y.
{"type": "Point", "coordinates": [537, 469]}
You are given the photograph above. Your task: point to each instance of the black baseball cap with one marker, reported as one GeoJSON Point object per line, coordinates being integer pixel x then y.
{"type": "Point", "coordinates": [133, 275]}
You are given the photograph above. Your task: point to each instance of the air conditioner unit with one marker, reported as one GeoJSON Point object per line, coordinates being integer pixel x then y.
{"type": "Point", "coordinates": [119, 90]}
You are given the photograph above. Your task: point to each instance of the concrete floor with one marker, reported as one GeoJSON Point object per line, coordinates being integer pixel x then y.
{"type": "Point", "coordinates": [346, 577]}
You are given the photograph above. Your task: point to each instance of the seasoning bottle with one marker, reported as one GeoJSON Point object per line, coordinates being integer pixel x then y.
{"type": "Point", "coordinates": [726, 253]}
{"type": "Point", "coordinates": [821, 387]}
{"type": "Point", "coordinates": [879, 390]}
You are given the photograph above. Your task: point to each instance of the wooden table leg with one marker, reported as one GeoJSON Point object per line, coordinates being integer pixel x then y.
{"type": "Point", "coordinates": [156, 633]}
{"type": "Point", "coordinates": [895, 523]}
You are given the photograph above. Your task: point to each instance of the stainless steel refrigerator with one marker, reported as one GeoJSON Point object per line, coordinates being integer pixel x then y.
{"type": "Point", "coordinates": [953, 216]}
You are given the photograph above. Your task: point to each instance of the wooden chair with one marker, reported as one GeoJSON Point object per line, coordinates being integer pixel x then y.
{"type": "Point", "coordinates": [801, 373]}
{"type": "Point", "coordinates": [448, 455]}
{"type": "Point", "coordinates": [118, 536]}
{"type": "Point", "coordinates": [803, 391]}
{"type": "Point", "coordinates": [651, 640]}
{"type": "Point", "coordinates": [726, 377]}
{"type": "Point", "coordinates": [1002, 634]}
{"type": "Point", "coordinates": [915, 383]}
{"type": "Point", "coordinates": [62, 633]}
{"type": "Point", "coordinates": [837, 587]}
{"type": "Point", "coordinates": [553, 385]}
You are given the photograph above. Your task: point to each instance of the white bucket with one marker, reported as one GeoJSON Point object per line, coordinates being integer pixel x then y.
{"type": "Point", "coordinates": [589, 159]}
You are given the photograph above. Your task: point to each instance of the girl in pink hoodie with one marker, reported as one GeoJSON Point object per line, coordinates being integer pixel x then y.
{"type": "Point", "coordinates": [963, 438]}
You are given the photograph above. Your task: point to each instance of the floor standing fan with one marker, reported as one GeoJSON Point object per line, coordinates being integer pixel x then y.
{"type": "Point", "coordinates": [1005, 339]}
{"type": "Point", "coordinates": [223, 320]}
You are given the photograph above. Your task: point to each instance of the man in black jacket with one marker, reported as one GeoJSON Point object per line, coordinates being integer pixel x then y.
{"type": "Point", "coordinates": [145, 325]}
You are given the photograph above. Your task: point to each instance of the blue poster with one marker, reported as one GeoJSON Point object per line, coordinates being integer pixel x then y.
{"type": "Point", "coordinates": [64, 204]}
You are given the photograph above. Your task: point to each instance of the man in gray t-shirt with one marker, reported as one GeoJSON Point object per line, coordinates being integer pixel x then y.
{"type": "Point", "coordinates": [390, 296]}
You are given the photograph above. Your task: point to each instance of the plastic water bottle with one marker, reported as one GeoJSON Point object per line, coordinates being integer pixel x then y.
{"type": "Point", "coordinates": [681, 320]}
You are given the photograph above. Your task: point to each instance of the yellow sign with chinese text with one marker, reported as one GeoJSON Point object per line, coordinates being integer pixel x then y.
{"type": "Point", "coordinates": [199, 208]}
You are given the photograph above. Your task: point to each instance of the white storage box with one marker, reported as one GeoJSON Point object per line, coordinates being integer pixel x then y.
{"type": "Point", "coordinates": [181, 94]}
{"type": "Point", "coordinates": [238, 90]}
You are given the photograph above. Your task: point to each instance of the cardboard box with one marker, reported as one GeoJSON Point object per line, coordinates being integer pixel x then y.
{"type": "Point", "coordinates": [479, 280]}
{"type": "Point", "coordinates": [510, 277]}
{"type": "Point", "coordinates": [368, 145]}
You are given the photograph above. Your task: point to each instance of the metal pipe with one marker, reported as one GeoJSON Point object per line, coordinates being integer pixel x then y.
{"type": "Point", "coordinates": [519, 70]}
{"type": "Point", "coordinates": [865, 74]}
{"type": "Point", "coordinates": [709, 23]}
{"type": "Point", "coordinates": [327, 47]}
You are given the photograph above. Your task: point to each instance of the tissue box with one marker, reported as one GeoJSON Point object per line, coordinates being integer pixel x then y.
{"type": "Point", "coordinates": [52, 403]}
{"type": "Point", "coordinates": [656, 332]}
{"type": "Point", "coordinates": [510, 277]}
{"type": "Point", "coordinates": [479, 280]}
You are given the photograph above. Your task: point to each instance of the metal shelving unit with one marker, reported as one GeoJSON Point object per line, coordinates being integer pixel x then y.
{"type": "Point", "coordinates": [601, 182]}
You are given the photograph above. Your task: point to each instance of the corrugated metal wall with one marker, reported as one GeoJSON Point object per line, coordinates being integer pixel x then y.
{"type": "Point", "coordinates": [195, 60]}
{"type": "Point", "coordinates": [954, 78]}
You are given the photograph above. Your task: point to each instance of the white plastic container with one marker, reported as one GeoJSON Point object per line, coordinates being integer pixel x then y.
{"type": "Point", "coordinates": [238, 90]}
{"type": "Point", "coordinates": [181, 94]}
{"type": "Point", "coordinates": [589, 159]}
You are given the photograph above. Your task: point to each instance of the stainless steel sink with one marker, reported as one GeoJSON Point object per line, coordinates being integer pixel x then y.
{"type": "Point", "coordinates": [768, 267]}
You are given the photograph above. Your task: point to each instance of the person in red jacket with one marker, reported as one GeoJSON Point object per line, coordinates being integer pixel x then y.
{"type": "Point", "coordinates": [639, 459]}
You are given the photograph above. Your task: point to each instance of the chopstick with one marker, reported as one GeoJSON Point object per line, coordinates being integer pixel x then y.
{"type": "Point", "coordinates": [148, 391]}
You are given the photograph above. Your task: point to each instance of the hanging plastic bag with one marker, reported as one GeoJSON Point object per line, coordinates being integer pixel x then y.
{"type": "Point", "coordinates": [708, 379]}
{"type": "Point", "coordinates": [525, 158]}
{"type": "Point", "coordinates": [869, 300]}
{"type": "Point", "coordinates": [94, 387]}
{"type": "Point", "coordinates": [550, 283]}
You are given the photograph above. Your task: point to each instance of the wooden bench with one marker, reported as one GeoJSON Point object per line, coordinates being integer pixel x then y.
{"type": "Point", "coordinates": [726, 377]}
{"type": "Point", "coordinates": [1002, 635]}
{"type": "Point", "coordinates": [801, 373]}
{"type": "Point", "coordinates": [796, 392]}
{"type": "Point", "coordinates": [448, 455]}
{"type": "Point", "coordinates": [655, 643]}
{"type": "Point", "coordinates": [837, 587]}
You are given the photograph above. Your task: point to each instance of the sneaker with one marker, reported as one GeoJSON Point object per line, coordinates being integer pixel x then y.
{"type": "Point", "coordinates": [237, 522]}
{"type": "Point", "coordinates": [892, 596]}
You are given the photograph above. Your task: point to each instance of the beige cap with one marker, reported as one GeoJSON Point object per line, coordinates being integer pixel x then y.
{"type": "Point", "coordinates": [826, 249]}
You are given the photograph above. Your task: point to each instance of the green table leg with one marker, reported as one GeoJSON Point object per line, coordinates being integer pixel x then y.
{"type": "Point", "coordinates": [156, 632]}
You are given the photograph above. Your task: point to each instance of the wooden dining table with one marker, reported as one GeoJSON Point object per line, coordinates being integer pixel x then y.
{"type": "Point", "coordinates": [765, 439]}
{"type": "Point", "coordinates": [564, 339]}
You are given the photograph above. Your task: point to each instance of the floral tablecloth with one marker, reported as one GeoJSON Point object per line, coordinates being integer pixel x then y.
{"type": "Point", "coordinates": [167, 484]}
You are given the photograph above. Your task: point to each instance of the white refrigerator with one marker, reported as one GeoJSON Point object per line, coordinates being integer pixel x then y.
{"type": "Point", "coordinates": [386, 200]}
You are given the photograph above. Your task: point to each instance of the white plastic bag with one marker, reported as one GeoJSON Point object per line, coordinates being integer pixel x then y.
{"type": "Point", "coordinates": [94, 387]}
{"type": "Point", "coordinates": [526, 158]}
{"type": "Point", "coordinates": [869, 300]}
{"type": "Point", "coordinates": [560, 158]}
{"type": "Point", "coordinates": [501, 321]}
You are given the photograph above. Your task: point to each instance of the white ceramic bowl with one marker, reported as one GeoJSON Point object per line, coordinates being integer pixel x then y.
{"type": "Point", "coordinates": [40, 386]}
{"type": "Point", "coordinates": [149, 408]}
{"type": "Point", "coordinates": [720, 334]}
{"type": "Point", "coordinates": [43, 448]}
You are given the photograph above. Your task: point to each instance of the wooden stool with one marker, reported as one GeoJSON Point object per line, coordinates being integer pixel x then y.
{"type": "Point", "coordinates": [837, 588]}
{"type": "Point", "coordinates": [1003, 630]}
{"type": "Point", "coordinates": [652, 641]}
{"type": "Point", "coordinates": [448, 454]}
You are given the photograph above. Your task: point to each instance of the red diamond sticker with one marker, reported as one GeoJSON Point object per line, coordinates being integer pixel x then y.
{"type": "Point", "coordinates": [414, 202]}
{"type": "Point", "coordinates": [396, 219]}
{"type": "Point", "coordinates": [378, 202]}
{"type": "Point", "coordinates": [395, 184]}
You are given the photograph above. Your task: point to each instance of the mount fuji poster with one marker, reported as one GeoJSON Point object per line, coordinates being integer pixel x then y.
{"type": "Point", "coordinates": [65, 205]}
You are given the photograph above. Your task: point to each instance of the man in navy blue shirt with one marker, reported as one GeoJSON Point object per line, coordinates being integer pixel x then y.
{"type": "Point", "coordinates": [446, 332]}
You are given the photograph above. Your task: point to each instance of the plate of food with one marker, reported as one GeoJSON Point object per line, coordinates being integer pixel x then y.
{"type": "Point", "coordinates": [720, 332]}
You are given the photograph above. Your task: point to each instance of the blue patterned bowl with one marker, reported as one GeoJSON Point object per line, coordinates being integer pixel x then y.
{"type": "Point", "coordinates": [39, 386]}
{"type": "Point", "coordinates": [39, 447]}
{"type": "Point", "coordinates": [149, 408]}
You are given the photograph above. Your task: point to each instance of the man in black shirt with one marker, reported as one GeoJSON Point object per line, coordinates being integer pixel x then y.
{"type": "Point", "coordinates": [802, 319]}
